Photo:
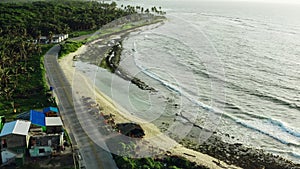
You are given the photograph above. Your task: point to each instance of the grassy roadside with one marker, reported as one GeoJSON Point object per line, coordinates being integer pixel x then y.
{"type": "Point", "coordinates": [69, 47]}
{"type": "Point", "coordinates": [72, 45]}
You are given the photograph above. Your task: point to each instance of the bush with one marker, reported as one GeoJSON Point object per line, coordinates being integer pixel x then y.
{"type": "Point", "coordinates": [69, 47]}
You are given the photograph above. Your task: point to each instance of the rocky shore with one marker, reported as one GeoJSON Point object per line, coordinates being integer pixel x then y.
{"type": "Point", "coordinates": [237, 154]}
{"type": "Point", "coordinates": [240, 155]}
{"type": "Point", "coordinates": [111, 62]}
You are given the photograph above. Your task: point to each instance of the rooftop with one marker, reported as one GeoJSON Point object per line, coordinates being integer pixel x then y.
{"type": "Point", "coordinates": [37, 118]}
{"type": "Point", "coordinates": [18, 127]}
{"type": "Point", "coordinates": [50, 109]}
{"type": "Point", "coordinates": [53, 121]}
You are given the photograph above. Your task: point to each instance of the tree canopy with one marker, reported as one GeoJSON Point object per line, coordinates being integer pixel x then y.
{"type": "Point", "coordinates": [57, 16]}
{"type": "Point", "coordinates": [22, 85]}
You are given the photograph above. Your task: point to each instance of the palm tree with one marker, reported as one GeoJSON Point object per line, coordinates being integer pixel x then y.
{"type": "Point", "coordinates": [147, 11]}
{"type": "Point", "coordinates": [50, 36]}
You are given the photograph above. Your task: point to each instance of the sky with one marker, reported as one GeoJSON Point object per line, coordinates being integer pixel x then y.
{"type": "Point", "coordinates": [271, 1]}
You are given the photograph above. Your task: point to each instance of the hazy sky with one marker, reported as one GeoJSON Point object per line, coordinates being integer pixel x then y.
{"type": "Point", "coordinates": [271, 1]}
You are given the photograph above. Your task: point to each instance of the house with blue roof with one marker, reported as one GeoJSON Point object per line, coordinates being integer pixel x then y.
{"type": "Point", "coordinates": [50, 124]}
{"type": "Point", "coordinates": [37, 118]}
{"type": "Point", "coordinates": [14, 134]}
{"type": "Point", "coordinates": [14, 140]}
{"type": "Point", "coordinates": [43, 143]}
{"type": "Point", "coordinates": [48, 111]}
{"type": "Point", "coordinates": [51, 111]}
{"type": "Point", "coordinates": [46, 133]}
{"type": "Point", "coordinates": [42, 135]}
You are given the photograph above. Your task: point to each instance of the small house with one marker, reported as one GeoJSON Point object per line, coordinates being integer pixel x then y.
{"type": "Point", "coordinates": [48, 120]}
{"type": "Point", "coordinates": [50, 111]}
{"type": "Point", "coordinates": [42, 144]}
{"type": "Point", "coordinates": [59, 38]}
{"type": "Point", "coordinates": [45, 143]}
{"type": "Point", "coordinates": [44, 40]}
{"type": "Point", "coordinates": [14, 141]}
{"type": "Point", "coordinates": [14, 135]}
{"type": "Point", "coordinates": [53, 125]}
{"type": "Point", "coordinates": [54, 39]}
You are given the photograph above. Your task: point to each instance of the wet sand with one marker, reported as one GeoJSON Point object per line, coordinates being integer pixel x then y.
{"type": "Point", "coordinates": [154, 138]}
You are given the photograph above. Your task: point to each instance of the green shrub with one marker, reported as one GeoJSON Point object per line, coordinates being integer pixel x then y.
{"type": "Point", "coordinates": [69, 47]}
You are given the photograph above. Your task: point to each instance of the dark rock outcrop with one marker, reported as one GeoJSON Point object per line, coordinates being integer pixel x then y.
{"type": "Point", "coordinates": [131, 130]}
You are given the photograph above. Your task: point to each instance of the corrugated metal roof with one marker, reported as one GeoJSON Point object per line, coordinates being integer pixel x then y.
{"type": "Point", "coordinates": [50, 109]}
{"type": "Point", "coordinates": [22, 127]}
{"type": "Point", "coordinates": [37, 118]}
{"type": "Point", "coordinates": [8, 128]}
{"type": "Point", "coordinates": [53, 121]}
{"type": "Point", "coordinates": [19, 127]}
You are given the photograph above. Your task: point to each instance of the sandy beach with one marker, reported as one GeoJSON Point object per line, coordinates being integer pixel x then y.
{"type": "Point", "coordinates": [153, 137]}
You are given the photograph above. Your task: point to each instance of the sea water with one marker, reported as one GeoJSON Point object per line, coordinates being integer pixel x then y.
{"type": "Point", "coordinates": [228, 66]}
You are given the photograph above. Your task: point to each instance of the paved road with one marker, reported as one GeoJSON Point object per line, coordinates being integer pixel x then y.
{"type": "Point", "coordinates": [93, 156]}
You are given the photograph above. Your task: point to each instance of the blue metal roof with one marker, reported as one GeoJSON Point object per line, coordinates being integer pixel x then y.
{"type": "Point", "coordinates": [50, 109]}
{"type": "Point", "coordinates": [37, 118]}
{"type": "Point", "coordinates": [8, 128]}
{"type": "Point", "coordinates": [19, 127]}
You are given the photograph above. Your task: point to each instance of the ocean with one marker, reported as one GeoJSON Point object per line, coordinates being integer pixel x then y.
{"type": "Point", "coordinates": [231, 67]}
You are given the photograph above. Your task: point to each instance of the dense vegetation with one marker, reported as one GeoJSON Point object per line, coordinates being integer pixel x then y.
{"type": "Point", "coordinates": [168, 162]}
{"type": "Point", "coordinates": [23, 85]}
{"type": "Point", "coordinates": [161, 162]}
{"type": "Point", "coordinates": [45, 18]}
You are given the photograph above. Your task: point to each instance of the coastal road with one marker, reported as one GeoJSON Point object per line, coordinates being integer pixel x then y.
{"type": "Point", "coordinates": [92, 155]}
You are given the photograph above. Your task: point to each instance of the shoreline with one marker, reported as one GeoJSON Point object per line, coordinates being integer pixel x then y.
{"type": "Point", "coordinates": [222, 149]}
{"type": "Point", "coordinates": [153, 136]}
